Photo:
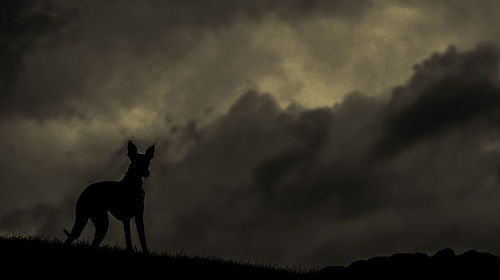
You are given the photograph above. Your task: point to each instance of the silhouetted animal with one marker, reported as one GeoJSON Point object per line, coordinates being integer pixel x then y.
{"type": "Point", "coordinates": [124, 199]}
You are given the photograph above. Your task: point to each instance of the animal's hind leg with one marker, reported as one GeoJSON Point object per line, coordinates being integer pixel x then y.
{"type": "Point", "coordinates": [80, 223]}
{"type": "Point", "coordinates": [101, 223]}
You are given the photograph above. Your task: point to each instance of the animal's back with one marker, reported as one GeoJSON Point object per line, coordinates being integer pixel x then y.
{"type": "Point", "coordinates": [122, 200]}
{"type": "Point", "coordinates": [97, 196]}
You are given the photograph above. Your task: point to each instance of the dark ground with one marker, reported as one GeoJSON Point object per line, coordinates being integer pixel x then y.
{"type": "Point", "coordinates": [25, 257]}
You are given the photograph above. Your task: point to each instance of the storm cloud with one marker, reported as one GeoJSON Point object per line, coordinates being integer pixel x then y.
{"type": "Point", "coordinates": [446, 90]}
{"type": "Point", "coordinates": [60, 51]}
{"type": "Point", "coordinates": [23, 22]}
{"type": "Point", "coordinates": [312, 181]}
{"type": "Point", "coordinates": [286, 131]}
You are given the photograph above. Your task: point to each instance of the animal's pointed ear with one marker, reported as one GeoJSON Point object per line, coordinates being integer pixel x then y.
{"type": "Point", "coordinates": [150, 152]}
{"type": "Point", "coordinates": [132, 149]}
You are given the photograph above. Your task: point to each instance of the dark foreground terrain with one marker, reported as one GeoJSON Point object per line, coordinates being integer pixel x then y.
{"type": "Point", "coordinates": [27, 257]}
{"type": "Point", "coordinates": [31, 256]}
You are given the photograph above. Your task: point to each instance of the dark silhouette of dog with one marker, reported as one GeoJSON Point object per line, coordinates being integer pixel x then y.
{"type": "Point", "coordinates": [123, 199]}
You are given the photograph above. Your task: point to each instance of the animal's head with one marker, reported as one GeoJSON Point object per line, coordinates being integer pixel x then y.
{"type": "Point", "coordinates": [139, 163]}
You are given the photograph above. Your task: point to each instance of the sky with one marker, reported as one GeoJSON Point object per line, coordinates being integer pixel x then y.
{"type": "Point", "coordinates": [287, 131]}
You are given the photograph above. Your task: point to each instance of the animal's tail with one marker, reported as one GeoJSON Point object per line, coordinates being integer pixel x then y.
{"type": "Point", "coordinates": [67, 232]}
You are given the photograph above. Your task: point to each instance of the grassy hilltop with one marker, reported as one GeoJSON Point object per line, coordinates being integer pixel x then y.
{"type": "Point", "coordinates": [32, 256]}
{"type": "Point", "coordinates": [27, 255]}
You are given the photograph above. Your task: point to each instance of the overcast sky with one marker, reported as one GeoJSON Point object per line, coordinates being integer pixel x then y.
{"type": "Point", "coordinates": [287, 131]}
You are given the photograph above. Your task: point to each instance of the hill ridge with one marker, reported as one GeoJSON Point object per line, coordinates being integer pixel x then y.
{"type": "Point", "coordinates": [38, 256]}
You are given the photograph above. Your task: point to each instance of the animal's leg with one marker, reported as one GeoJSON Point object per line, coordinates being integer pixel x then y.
{"type": "Point", "coordinates": [101, 223]}
{"type": "Point", "coordinates": [81, 220]}
{"type": "Point", "coordinates": [139, 222]}
{"type": "Point", "coordinates": [128, 240]}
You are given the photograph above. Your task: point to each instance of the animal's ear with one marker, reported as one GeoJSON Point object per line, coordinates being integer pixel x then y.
{"type": "Point", "coordinates": [150, 152]}
{"type": "Point", "coordinates": [132, 150]}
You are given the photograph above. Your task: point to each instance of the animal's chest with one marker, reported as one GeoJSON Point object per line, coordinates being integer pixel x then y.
{"type": "Point", "coordinates": [127, 203]}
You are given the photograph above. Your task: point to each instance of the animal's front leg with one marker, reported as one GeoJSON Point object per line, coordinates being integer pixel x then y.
{"type": "Point", "coordinates": [128, 240]}
{"type": "Point", "coordinates": [139, 222]}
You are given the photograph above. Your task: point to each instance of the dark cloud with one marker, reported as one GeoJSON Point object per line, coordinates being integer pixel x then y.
{"type": "Point", "coordinates": [41, 219]}
{"type": "Point", "coordinates": [219, 13]}
{"type": "Point", "coordinates": [445, 91]}
{"type": "Point", "coordinates": [108, 54]}
{"type": "Point", "coordinates": [305, 182]}
{"type": "Point", "coordinates": [23, 24]}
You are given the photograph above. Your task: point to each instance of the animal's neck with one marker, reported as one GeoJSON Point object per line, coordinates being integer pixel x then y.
{"type": "Point", "coordinates": [132, 179]}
